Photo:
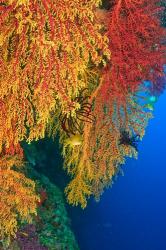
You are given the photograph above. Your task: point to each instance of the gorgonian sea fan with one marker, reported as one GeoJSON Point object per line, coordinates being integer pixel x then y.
{"type": "Point", "coordinates": [57, 36]}
{"type": "Point", "coordinates": [17, 201]}
{"type": "Point", "coordinates": [45, 48]}
{"type": "Point", "coordinates": [136, 42]}
{"type": "Point", "coordinates": [93, 162]}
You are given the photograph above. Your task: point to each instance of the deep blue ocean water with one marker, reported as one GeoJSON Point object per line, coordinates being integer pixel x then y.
{"type": "Point", "coordinates": [132, 214]}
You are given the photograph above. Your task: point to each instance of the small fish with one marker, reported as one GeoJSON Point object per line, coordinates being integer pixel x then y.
{"type": "Point", "coordinates": [74, 140]}
{"type": "Point", "coordinates": [152, 99]}
{"type": "Point", "coordinates": [149, 106]}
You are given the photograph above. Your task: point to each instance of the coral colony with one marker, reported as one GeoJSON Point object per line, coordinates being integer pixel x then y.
{"type": "Point", "coordinates": [78, 69]}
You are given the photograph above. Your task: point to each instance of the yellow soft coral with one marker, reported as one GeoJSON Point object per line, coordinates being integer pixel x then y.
{"type": "Point", "coordinates": [100, 155]}
{"type": "Point", "coordinates": [18, 200]}
{"type": "Point", "coordinates": [45, 50]}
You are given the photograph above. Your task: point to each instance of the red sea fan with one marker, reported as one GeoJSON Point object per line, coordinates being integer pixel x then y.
{"type": "Point", "coordinates": [136, 42]}
{"type": "Point", "coordinates": [48, 43]}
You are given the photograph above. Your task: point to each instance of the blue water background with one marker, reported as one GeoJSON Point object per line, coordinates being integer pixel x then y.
{"type": "Point", "coordinates": [132, 214]}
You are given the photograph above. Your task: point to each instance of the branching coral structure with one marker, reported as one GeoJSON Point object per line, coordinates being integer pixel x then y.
{"type": "Point", "coordinates": [89, 71]}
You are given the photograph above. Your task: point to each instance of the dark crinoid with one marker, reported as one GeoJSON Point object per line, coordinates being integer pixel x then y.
{"type": "Point", "coordinates": [128, 140]}
{"type": "Point", "coordinates": [158, 86]}
{"type": "Point", "coordinates": [73, 124]}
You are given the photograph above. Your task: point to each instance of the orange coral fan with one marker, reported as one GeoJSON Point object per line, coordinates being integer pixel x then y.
{"type": "Point", "coordinates": [45, 48]}
{"type": "Point", "coordinates": [18, 200]}
{"type": "Point", "coordinates": [45, 51]}
{"type": "Point", "coordinates": [94, 162]}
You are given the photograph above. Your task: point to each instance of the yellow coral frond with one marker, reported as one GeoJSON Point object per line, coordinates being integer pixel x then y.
{"type": "Point", "coordinates": [18, 201]}
{"type": "Point", "coordinates": [78, 191]}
